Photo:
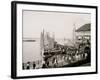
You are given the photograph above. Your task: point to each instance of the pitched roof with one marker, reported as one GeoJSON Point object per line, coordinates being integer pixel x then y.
{"type": "Point", "coordinates": [85, 27]}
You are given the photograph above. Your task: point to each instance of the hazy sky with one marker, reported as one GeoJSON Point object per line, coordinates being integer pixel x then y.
{"type": "Point", "coordinates": [61, 24]}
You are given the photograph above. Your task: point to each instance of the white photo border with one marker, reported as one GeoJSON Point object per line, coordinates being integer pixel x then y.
{"type": "Point", "coordinates": [20, 6]}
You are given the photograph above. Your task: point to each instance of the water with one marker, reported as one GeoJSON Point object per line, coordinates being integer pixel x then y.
{"type": "Point", "coordinates": [31, 51]}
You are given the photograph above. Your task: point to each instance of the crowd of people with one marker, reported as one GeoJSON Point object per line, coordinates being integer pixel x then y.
{"type": "Point", "coordinates": [62, 57]}
{"type": "Point", "coordinates": [68, 55]}
{"type": "Point", "coordinates": [31, 65]}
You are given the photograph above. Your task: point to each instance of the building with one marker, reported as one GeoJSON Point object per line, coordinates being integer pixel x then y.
{"type": "Point", "coordinates": [83, 33]}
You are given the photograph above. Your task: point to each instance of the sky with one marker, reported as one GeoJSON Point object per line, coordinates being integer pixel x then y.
{"type": "Point", "coordinates": [59, 23]}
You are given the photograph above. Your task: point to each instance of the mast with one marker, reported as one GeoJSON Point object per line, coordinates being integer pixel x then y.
{"type": "Point", "coordinates": [42, 45]}
{"type": "Point", "coordinates": [74, 34]}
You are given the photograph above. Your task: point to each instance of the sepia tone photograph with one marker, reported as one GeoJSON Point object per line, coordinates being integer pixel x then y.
{"type": "Point", "coordinates": [52, 39]}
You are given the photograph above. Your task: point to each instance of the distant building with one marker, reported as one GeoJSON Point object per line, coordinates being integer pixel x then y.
{"type": "Point", "coordinates": [83, 33]}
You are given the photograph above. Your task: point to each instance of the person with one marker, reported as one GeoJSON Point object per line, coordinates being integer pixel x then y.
{"type": "Point", "coordinates": [28, 65]}
{"type": "Point", "coordinates": [88, 52]}
{"type": "Point", "coordinates": [23, 66]}
{"type": "Point", "coordinates": [34, 65]}
{"type": "Point", "coordinates": [69, 58]}
{"type": "Point", "coordinates": [47, 63]}
{"type": "Point", "coordinates": [44, 65]}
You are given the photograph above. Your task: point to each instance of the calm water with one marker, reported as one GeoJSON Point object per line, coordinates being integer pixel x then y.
{"type": "Point", "coordinates": [31, 51]}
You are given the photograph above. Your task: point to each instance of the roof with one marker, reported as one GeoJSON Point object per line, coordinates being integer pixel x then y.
{"type": "Point", "coordinates": [85, 27]}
